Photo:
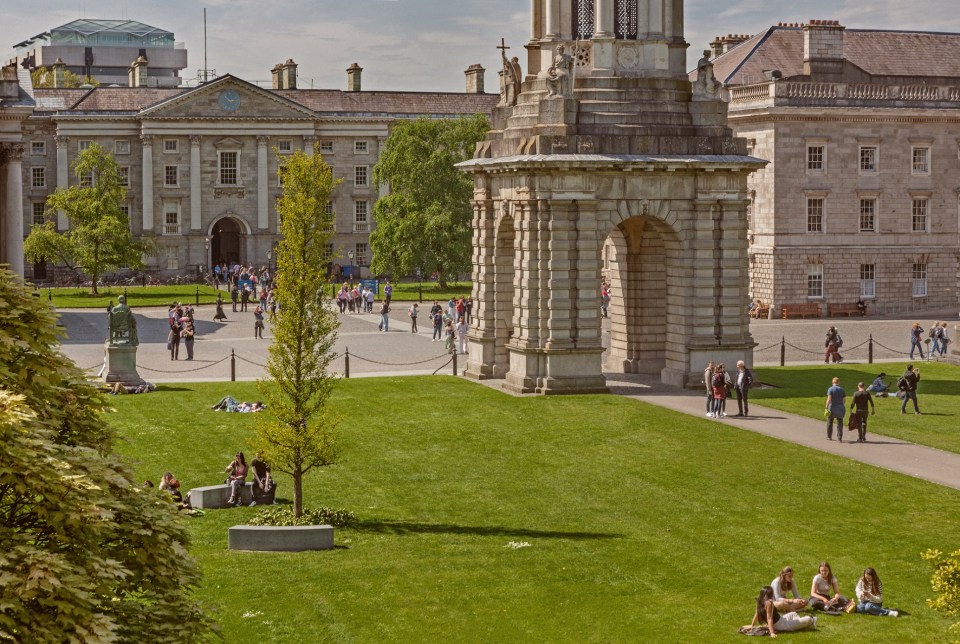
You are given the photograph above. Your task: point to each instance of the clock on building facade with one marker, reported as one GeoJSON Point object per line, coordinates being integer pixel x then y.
{"type": "Point", "coordinates": [229, 100]}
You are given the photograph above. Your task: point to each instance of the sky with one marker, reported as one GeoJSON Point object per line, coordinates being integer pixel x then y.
{"type": "Point", "coordinates": [420, 45]}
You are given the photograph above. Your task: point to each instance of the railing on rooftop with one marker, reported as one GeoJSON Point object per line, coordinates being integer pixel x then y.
{"type": "Point", "coordinates": [794, 92]}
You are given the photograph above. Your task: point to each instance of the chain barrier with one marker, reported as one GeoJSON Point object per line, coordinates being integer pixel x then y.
{"type": "Point", "coordinates": [256, 364]}
{"type": "Point", "coordinates": [772, 346]}
{"type": "Point", "coordinates": [792, 346]}
{"type": "Point", "coordinates": [397, 364]}
{"type": "Point", "coordinates": [899, 353]}
{"type": "Point", "coordinates": [452, 357]}
{"type": "Point", "coordinates": [212, 364]}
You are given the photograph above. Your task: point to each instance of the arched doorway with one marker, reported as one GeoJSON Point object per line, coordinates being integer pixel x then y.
{"type": "Point", "coordinates": [226, 241]}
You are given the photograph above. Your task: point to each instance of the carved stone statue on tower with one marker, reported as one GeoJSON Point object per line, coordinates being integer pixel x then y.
{"type": "Point", "coordinates": [706, 86]}
{"type": "Point", "coordinates": [510, 77]}
{"type": "Point", "coordinates": [559, 76]}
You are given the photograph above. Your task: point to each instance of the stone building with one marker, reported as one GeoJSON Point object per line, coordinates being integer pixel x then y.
{"type": "Point", "coordinates": [604, 159]}
{"type": "Point", "coordinates": [202, 162]}
{"type": "Point", "coordinates": [16, 105]}
{"type": "Point", "coordinates": [105, 49]}
{"type": "Point", "coordinates": [862, 193]}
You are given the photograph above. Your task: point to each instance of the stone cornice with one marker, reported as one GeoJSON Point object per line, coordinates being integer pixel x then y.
{"type": "Point", "coordinates": [614, 163]}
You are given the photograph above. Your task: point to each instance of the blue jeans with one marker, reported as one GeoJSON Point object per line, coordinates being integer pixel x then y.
{"type": "Point", "coordinates": [909, 395]}
{"type": "Point", "coordinates": [915, 345]}
{"type": "Point", "coordinates": [385, 321]}
{"type": "Point", "coordinates": [872, 609]}
{"type": "Point", "coordinates": [935, 347]}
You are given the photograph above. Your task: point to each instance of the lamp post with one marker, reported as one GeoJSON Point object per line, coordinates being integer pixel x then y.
{"type": "Point", "coordinates": [350, 257]}
{"type": "Point", "coordinates": [270, 259]}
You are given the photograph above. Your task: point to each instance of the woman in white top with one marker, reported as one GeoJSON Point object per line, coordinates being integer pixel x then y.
{"type": "Point", "coordinates": [870, 595]}
{"type": "Point", "coordinates": [783, 584]}
{"type": "Point", "coordinates": [824, 592]}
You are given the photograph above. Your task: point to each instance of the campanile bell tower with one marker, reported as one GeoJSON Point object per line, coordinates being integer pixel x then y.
{"type": "Point", "coordinates": [605, 166]}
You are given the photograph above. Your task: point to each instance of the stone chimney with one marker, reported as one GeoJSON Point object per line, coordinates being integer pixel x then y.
{"type": "Point", "coordinates": [289, 74]}
{"type": "Point", "coordinates": [9, 85]}
{"type": "Point", "coordinates": [59, 67]}
{"type": "Point", "coordinates": [277, 74]}
{"type": "Point", "coordinates": [138, 72]}
{"type": "Point", "coordinates": [353, 77]}
{"type": "Point", "coordinates": [474, 74]}
{"type": "Point", "coordinates": [723, 44]}
{"type": "Point", "coordinates": [823, 49]}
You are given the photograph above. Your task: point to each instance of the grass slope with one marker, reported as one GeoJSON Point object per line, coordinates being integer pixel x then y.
{"type": "Point", "coordinates": [803, 390]}
{"type": "Point", "coordinates": [643, 524]}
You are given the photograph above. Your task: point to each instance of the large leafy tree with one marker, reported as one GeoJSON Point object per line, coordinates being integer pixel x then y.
{"type": "Point", "coordinates": [296, 432]}
{"type": "Point", "coordinates": [99, 238]}
{"type": "Point", "coordinates": [424, 223]}
{"type": "Point", "coordinates": [87, 554]}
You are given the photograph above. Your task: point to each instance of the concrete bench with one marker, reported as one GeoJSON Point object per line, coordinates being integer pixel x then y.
{"type": "Point", "coordinates": [803, 310]}
{"type": "Point", "coordinates": [265, 538]}
{"type": "Point", "coordinates": [216, 496]}
{"type": "Point", "coordinates": [836, 310]}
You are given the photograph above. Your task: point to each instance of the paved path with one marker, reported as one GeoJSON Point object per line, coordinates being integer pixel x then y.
{"type": "Point", "coordinates": [400, 352]}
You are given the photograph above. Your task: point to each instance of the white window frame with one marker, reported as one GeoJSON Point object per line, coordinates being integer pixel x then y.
{"type": "Point", "coordinates": [171, 146]}
{"type": "Point", "coordinates": [38, 221]}
{"type": "Point", "coordinates": [326, 147]}
{"type": "Point", "coordinates": [171, 218]}
{"type": "Point", "coordinates": [220, 154]}
{"type": "Point", "coordinates": [923, 168]}
{"type": "Point", "coordinates": [172, 256]}
{"type": "Point", "coordinates": [361, 216]}
{"type": "Point", "coordinates": [38, 148]}
{"type": "Point", "coordinates": [124, 172]}
{"type": "Point", "coordinates": [83, 144]}
{"type": "Point", "coordinates": [87, 180]}
{"type": "Point", "coordinates": [868, 281]}
{"type": "Point", "coordinates": [38, 172]}
{"type": "Point", "coordinates": [919, 275]}
{"type": "Point", "coordinates": [814, 201]}
{"type": "Point", "coordinates": [328, 209]}
{"type": "Point", "coordinates": [285, 146]}
{"type": "Point", "coordinates": [121, 146]}
{"type": "Point", "coordinates": [812, 165]}
{"type": "Point", "coordinates": [875, 169]}
{"type": "Point", "coordinates": [361, 176]}
{"type": "Point", "coordinates": [361, 147]}
{"type": "Point", "coordinates": [360, 254]}
{"type": "Point", "coordinates": [815, 281]}
{"type": "Point", "coordinates": [920, 203]}
{"type": "Point", "coordinates": [873, 214]}
{"type": "Point", "coordinates": [176, 175]}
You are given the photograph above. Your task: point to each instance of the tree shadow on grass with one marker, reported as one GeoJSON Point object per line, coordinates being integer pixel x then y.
{"type": "Point", "coordinates": [410, 527]}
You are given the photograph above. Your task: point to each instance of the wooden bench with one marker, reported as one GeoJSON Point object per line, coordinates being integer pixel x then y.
{"type": "Point", "coordinates": [847, 310]}
{"type": "Point", "coordinates": [802, 310]}
{"type": "Point", "coordinates": [216, 496]}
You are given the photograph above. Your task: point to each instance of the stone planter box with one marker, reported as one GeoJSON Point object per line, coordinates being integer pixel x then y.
{"type": "Point", "coordinates": [264, 538]}
{"type": "Point", "coordinates": [216, 496]}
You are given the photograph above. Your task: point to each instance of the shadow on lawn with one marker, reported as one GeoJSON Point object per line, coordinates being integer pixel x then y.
{"type": "Point", "coordinates": [409, 527]}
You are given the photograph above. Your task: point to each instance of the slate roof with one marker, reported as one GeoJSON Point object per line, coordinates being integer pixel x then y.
{"type": "Point", "coordinates": [24, 91]}
{"type": "Point", "coordinates": [877, 52]}
{"type": "Point", "coordinates": [124, 99]}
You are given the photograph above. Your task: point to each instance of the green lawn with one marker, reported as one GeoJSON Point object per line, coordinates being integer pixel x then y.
{"type": "Point", "coordinates": [803, 390]}
{"type": "Point", "coordinates": [79, 298]}
{"type": "Point", "coordinates": [642, 524]}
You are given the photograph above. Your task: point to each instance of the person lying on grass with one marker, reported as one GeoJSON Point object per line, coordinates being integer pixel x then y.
{"type": "Point", "coordinates": [766, 612]}
{"type": "Point", "coordinates": [229, 403]}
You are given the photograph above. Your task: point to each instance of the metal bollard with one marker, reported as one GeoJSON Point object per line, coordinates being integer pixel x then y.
{"type": "Point", "coordinates": [454, 363]}
{"type": "Point", "coordinates": [870, 350]}
{"type": "Point", "coordinates": [421, 294]}
{"type": "Point", "coordinates": [125, 295]}
{"type": "Point", "coordinates": [49, 294]}
{"type": "Point", "coordinates": [783, 350]}
{"type": "Point", "coordinates": [198, 296]}
{"type": "Point", "coordinates": [346, 363]}
{"type": "Point", "coordinates": [233, 366]}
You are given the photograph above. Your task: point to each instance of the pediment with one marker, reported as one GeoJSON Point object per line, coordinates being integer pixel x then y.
{"type": "Point", "coordinates": [228, 98]}
{"type": "Point", "coordinates": [228, 142]}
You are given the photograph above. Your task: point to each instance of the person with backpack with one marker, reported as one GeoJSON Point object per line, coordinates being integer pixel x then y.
{"type": "Point", "coordinates": [936, 334]}
{"type": "Point", "coordinates": [916, 332]}
{"type": "Point", "coordinates": [907, 384]}
{"type": "Point", "coordinates": [832, 345]}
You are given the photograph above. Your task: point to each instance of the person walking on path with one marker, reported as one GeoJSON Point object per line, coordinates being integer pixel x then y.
{"type": "Point", "coordinates": [462, 334]}
{"type": "Point", "coordinates": [258, 322]}
{"type": "Point", "coordinates": [742, 386]}
{"type": "Point", "coordinates": [937, 334]}
{"type": "Point", "coordinates": [173, 339]}
{"type": "Point", "coordinates": [832, 345]}
{"type": "Point", "coordinates": [188, 336]}
{"type": "Point", "coordinates": [835, 408]}
{"type": "Point", "coordinates": [220, 314]}
{"type": "Point", "coordinates": [860, 401]}
{"type": "Point", "coordinates": [437, 321]}
{"type": "Point", "coordinates": [916, 333]}
{"type": "Point", "coordinates": [708, 383]}
{"type": "Point", "coordinates": [384, 317]}
{"type": "Point", "coordinates": [388, 292]}
{"type": "Point", "coordinates": [908, 385]}
{"type": "Point", "coordinates": [414, 311]}
{"type": "Point", "coordinates": [234, 298]}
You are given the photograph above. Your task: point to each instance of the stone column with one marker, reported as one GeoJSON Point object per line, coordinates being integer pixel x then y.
{"type": "Point", "coordinates": [195, 214]}
{"type": "Point", "coordinates": [13, 231]}
{"type": "Point", "coordinates": [63, 176]}
{"type": "Point", "coordinates": [604, 19]}
{"type": "Point", "coordinates": [308, 143]}
{"type": "Point", "coordinates": [147, 184]}
{"type": "Point", "coordinates": [553, 20]}
{"type": "Point", "coordinates": [482, 362]}
{"type": "Point", "coordinates": [262, 188]}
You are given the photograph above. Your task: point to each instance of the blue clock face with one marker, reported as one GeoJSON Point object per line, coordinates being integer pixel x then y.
{"type": "Point", "coordinates": [229, 100]}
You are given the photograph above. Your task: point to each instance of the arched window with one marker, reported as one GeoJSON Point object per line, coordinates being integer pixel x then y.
{"type": "Point", "coordinates": [625, 19]}
{"type": "Point", "coordinates": [583, 19]}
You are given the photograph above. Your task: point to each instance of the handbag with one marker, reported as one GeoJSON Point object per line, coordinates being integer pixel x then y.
{"type": "Point", "coordinates": [850, 608]}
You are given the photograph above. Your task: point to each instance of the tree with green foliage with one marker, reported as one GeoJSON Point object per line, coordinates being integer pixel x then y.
{"type": "Point", "coordinates": [424, 223]}
{"type": "Point", "coordinates": [43, 77]}
{"type": "Point", "coordinates": [87, 554]}
{"type": "Point", "coordinates": [296, 432]}
{"type": "Point", "coordinates": [99, 239]}
{"type": "Point", "coordinates": [945, 582]}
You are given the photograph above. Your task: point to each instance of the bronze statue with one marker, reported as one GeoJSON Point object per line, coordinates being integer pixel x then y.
{"type": "Point", "coordinates": [123, 325]}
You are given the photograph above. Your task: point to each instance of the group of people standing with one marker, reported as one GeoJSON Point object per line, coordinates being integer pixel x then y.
{"type": "Point", "coordinates": [780, 613]}
{"type": "Point", "coordinates": [180, 321]}
{"type": "Point", "coordinates": [720, 385]}
{"type": "Point", "coordinates": [450, 325]}
{"type": "Point", "coordinates": [835, 408]}
{"type": "Point", "coordinates": [938, 338]}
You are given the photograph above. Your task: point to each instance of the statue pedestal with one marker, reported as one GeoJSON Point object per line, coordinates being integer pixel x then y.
{"type": "Point", "coordinates": [122, 365]}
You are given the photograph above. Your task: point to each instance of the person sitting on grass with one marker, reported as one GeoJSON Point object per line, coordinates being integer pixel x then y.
{"type": "Point", "coordinates": [870, 595]}
{"type": "Point", "coordinates": [236, 478]}
{"type": "Point", "coordinates": [766, 613]}
{"type": "Point", "coordinates": [821, 597]}
{"type": "Point", "coordinates": [783, 584]}
{"type": "Point", "coordinates": [879, 387]}
{"type": "Point", "coordinates": [169, 483]}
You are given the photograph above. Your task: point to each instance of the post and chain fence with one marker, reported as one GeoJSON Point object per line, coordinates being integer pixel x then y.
{"type": "Point", "coordinates": [869, 343]}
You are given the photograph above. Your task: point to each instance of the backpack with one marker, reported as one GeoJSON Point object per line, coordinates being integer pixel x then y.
{"type": "Point", "coordinates": [839, 341]}
{"type": "Point", "coordinates": [902, 383]}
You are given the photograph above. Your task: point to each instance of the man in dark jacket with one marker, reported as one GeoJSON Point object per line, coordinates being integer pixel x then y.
{"type": "Point", "coordinates": [742, 386]}
{"type": "Point", "coordinates": [908, 385]}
